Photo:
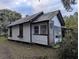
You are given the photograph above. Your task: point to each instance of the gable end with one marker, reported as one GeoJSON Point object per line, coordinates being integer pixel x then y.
{"type": "Point", "coordinates": [60, 18]}
{"type": "Point", "coordinates": [62, 22]}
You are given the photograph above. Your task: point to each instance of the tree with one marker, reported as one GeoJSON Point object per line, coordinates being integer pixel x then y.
{"type": "Point", "coordinates": [67, 4]}
{"type": "Point", "coordinates": [9, 15]}
{"type": "Point", "coordinates": [6, 17]}
{"type": "Point", "coordinates": [69, 46]}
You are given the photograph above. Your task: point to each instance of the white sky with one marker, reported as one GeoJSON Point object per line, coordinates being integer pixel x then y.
{"type": "Point", "coordinates": [33, 6]}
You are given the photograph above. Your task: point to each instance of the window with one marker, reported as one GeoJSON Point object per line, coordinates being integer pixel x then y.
{"type": "Point", "coordinates": [36, 29]}
{"type": "Point", "coordinates": [20, 30]}
{"type": "Point", "coordinates": [43, 29]}
{"type": "Point", "coordinates": [10, 32]}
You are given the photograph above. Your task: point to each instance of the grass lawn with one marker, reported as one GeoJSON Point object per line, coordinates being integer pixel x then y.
{"type": "Point", "coordinates": [2, 40]}
{"type": "Point", "coordinates": [17, 50]}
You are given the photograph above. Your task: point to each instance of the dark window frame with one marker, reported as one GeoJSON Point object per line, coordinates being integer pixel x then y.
{"type": "Point", "coordinates": [39, 30]}
{"type": "Point", "coordinates": [43, 29]}
{"type": "Point", "coordinates": [20, 30]}
{"type": "Point", "coordinates": [36, 29]}
{"type": "Point", "coordinates": [10, 33]}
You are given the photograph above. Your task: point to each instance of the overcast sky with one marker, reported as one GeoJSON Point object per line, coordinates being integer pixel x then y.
{"type": "Point", "coordinates": [33, 6]}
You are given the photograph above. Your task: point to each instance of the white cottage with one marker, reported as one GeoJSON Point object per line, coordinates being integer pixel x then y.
{"type": "Point", "coordinates": [41, 28]}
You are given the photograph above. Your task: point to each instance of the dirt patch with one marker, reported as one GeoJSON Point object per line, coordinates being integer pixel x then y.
{"type": "Point", "coordinates": [15, 50]}
{"type": "Point", "coordinates": [5, 52]}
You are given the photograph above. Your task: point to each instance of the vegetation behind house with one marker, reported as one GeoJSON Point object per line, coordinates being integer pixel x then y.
{"type": "Point", "coordinates": [6, 17]}
{"type": "Point", "coordinates": [69, 46]}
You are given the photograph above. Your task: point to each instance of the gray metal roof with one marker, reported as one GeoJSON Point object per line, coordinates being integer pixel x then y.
{"type": "Point", "coordinates": [40, 17]}
{"type": "Point", "coordinates": [19, 21]}
{"type": "Point", "coordinates": [46, 16]}
{"type": "Point", "coordinates": [26, 19]}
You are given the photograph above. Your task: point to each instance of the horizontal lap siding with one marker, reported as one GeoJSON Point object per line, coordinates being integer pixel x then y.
{"type": "Point", "coordinates": [26, 33]}
{"type": "Point", "coordinates": [57, 29]}
{"type": "Point", "coordinates": [9, 34]}
{"type": "Point", "coordinates": [53, 30]}
{"type": "Point", "coordinates": [39, 39]}
{"type": "Point", "coordinates": [15, 33]}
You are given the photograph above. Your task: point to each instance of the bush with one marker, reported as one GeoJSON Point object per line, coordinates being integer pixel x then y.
{"type": "Point", "coordinates": [69, 46]}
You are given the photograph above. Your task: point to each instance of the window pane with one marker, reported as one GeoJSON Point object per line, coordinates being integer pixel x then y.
{"type": "Point", "coordinates": [10, 31]}
{"type": "Point", "coordinates": [43, 29]}
{"type": "Point", "coordinates": [36, 29]}
{"type": "Point", "coordinates": [21, 30]}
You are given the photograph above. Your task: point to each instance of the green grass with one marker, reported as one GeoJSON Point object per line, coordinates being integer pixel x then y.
{"type": "Point", "coordinates": [56, 46]}
{"type": "Point", "coordinates": [2, 39]}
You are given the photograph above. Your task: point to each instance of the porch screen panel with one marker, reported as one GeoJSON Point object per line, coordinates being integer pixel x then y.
{"type": "Point", "coordinates": [43, 29]}
{"type": "Point", "coordinates": [36, 29]}
{"type": "Point", "coordinates": [21, 30]}
{"type": "Point", "coordinates": [10, 33]}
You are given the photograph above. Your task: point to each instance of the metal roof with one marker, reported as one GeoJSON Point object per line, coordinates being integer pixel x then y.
{"type": "Point", "coordinates": [19, 21]}
{"type": "Point", "coordinates": [46, 16]}
{"type": "Point", "coordinates": [26, 19]}
{"type": "Point", "coordinates": [38, 17]}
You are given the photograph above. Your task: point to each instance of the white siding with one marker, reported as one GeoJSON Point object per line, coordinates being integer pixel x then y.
{"type": "Point", "coordinates": [51, 32]}
{"type": "Point", "coordinates": [15, 33]}
{"type": "Point", "coordinates": [9, 34]}
{"type": "Point", "coordinates": [56, 21]}
{"type": "Point", "coordinates": [57, 35]}
{"type": "Point", "coordinates": [26, 33]}
{"type": "Point", "coordinates": [40, 39]}
{"type": "Point", "coordinates": [54, 33]}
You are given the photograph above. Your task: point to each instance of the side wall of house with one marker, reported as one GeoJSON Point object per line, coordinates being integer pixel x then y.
{"type": "Point", "coordinates": [51, 32]}
{"type": "Point", "coordinates": [26, 32]}
{"type": "Point", "coordinates": [55, 30]}
{"type": "Point", "coordinates": [15, 33]}
{"type": "Point", "coordinates": [9, 34]}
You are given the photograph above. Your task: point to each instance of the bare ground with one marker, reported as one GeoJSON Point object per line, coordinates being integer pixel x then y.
{"type": "Point", "coordinates": [17, 50]}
